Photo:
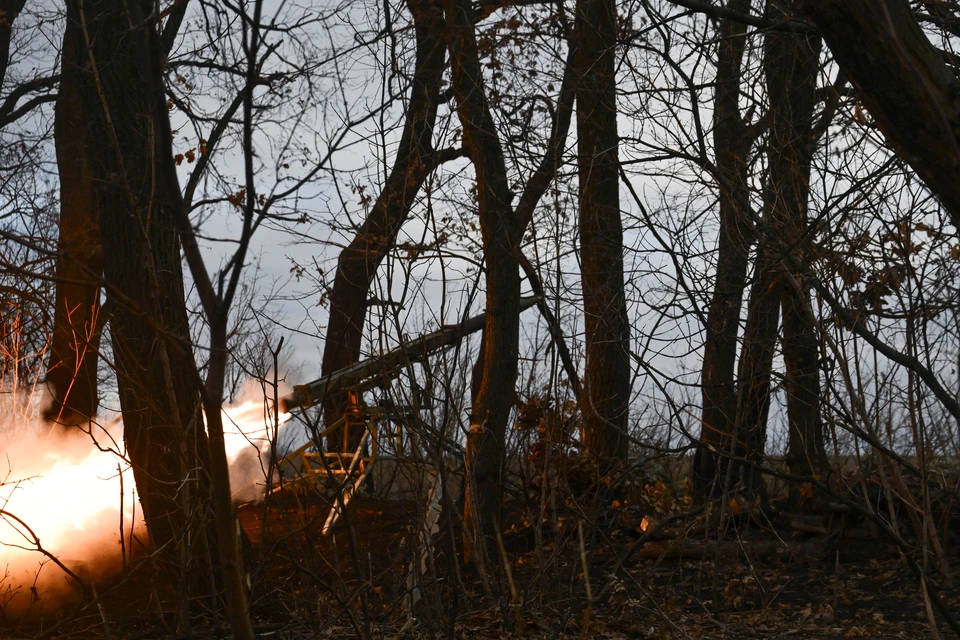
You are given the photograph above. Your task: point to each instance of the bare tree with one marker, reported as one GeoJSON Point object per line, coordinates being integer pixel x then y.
{"type": "Point", "coordinates": [359, 261]}
{"type": "Point", "coordinates": [496, 374]}
{"type": "Point", "coordinates": [792, 64]}
{"type": "Point", "coordinates": [607, 372]}
{"type": "Point", "coordinates": [902, 81]}
{"type": "Point", "coordinates": [138, 195]}
{"type": "Point", "coordinates": [732, 141]}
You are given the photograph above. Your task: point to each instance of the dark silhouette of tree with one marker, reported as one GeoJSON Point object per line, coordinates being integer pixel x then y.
{"type": "Point", "coordinates": [607, 371]}
{"type": "Point", "coordinates": [495, 376]}
{"type": "Point", "coordinates": [903, 82]}
{"type": "Point", "coordinates": [732, 141]}
{"type": "Point", "coordinates": [138, 195]}
{"type": "Point", "coordinates": [359, 261]}
{"type": "Point", "coordinates": [792, 63]}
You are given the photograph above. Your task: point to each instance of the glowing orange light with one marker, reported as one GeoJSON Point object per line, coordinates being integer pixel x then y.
{"type": "Point", "coordinates": [60, 493]}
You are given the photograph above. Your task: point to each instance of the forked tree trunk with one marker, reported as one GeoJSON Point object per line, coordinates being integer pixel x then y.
{"type": "Point", "coordinates": [605, 405]}
{"type": "Point", "coordinates": [122, 99]}
{"type": "Point", "coordinates": [534, 189]}
{"type": "Point", "coordinates": [359, 261]}
{"type": "Point", "coordinates": [72, 368]}
{"type": "Point", "coordinates": [495, 379]}
{"type": "Point", "coordinates": [731, 147]}
{"type": "Point", "coordinates": [791, 63]}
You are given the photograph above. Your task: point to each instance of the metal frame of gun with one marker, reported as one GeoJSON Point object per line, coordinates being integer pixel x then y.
{"type": "Point", "coordinates": [377, 371]}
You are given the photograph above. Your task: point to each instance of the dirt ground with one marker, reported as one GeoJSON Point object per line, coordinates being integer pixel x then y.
{"type": "Point", "coordinates": [758, 582]}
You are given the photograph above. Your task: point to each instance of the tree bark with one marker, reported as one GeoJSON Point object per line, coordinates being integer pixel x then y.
{"type": "Point", "coordinates": [605, 404]}
{"type": "Point", "coordinates": [72, 369]}
{"type": "Point", "coordinates": [731, 146]}
{"type": "Point", "coordinates": [495, 378]}
{"type": "Point", "coordinates": [756, 366]}
{"type": "Point", "coordinates": [359, 261]}
{"type": "Point", "coordinates": [791, 63]}
{"type": "Point", "coordinates": [122, 99]}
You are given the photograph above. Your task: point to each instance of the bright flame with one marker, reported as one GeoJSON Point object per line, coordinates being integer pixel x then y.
{"type": "Point", "coordinates": [67, 499]}
{"type": "Point", "coordinates": [61, 494]}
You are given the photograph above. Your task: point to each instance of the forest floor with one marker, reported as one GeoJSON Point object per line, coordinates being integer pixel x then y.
{"type": "Point", "coordinates": [758, 583]}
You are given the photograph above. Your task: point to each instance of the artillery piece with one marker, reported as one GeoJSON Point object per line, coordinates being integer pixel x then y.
{"type": "Point", "coordinates": [378, 371]}
{"type": "Point", "coordinates": [351, 469]}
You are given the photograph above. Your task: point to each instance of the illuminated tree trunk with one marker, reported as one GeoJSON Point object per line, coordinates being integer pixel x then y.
{"type": "Point", "coordinates": [731, 146]}
{"type": "Point", "coordinates": [72, 369]}
{"type": "Point", "coordinates": [605, 404]}
{"type": "Point", "coordinates": [495, 378]}
{"type": "Point", "coordinates": [358, 262]}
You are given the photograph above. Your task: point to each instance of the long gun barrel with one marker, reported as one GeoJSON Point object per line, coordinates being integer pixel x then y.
{"type": "Point", "coordinates": [387, 365]}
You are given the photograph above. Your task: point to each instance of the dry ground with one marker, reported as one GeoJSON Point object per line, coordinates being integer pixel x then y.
{"type": "Point", "coordinates": [760, 582]}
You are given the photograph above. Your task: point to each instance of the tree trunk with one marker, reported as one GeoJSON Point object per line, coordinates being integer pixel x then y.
{"type": "Point", "coordinates": [358, 262]}
{"type": "Point", "coordinates": [731, 146]}
{"type": "Point", "coordinates": [72, 369]}
{"type": "Point", "coordinates": [496, 386]}
{"type": "Point", "coordinates": [123, 103]}
{"type": "Point", "coordinates": [756, 367]}
{"type": "Point", "coordinates": [806, 454]}
{"type": "Point", "coordinates": [791, 63]}
{"type": "Point", "coordinates": [605, 404]}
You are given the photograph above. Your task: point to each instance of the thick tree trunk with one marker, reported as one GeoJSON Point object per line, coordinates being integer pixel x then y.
{"type": "Point", "coordinates": [123, 103]}
{"type": "Point", "coordinates": [605, 404]}
{"type": "Point", "coordinates": [731, 146]}
{"type": "Point", "coordinates": [496, 382]}
{"type": "Point", "coordinates": [791, 63]}
{"type": "Point", "coordinates": [902, 81]}
{"type": "Point", "coordinates": [358, 262]}
{"type": "Point", "coordinates": [72, 369]}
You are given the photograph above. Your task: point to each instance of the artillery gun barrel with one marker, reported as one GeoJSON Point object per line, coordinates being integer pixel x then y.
{"type": "Point", "coordinates": [386, 366]}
